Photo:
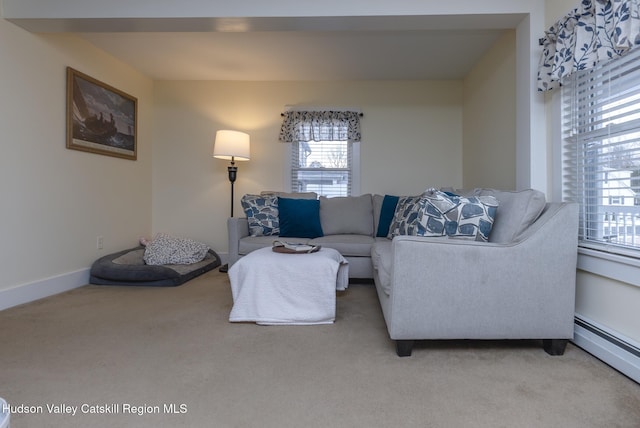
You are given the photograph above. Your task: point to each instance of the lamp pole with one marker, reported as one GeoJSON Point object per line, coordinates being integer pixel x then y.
{"type": "Point", "coordinates": [231, 145]}
{"type": "Point", "coordinates": [233, 172]}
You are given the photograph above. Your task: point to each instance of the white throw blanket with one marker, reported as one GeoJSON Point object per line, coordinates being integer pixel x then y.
{"type": "Point", "coordinates": [296, 289]}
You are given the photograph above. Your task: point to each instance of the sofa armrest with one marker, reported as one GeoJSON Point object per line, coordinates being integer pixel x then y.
{"type": "Point", "coordinates": [456, 289]}
{"type": "Point", "coordinates": [237, 228]}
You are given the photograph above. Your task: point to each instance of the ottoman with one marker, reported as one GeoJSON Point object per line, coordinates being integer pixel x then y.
{"type": "Point", "coordinates": [272, 288]}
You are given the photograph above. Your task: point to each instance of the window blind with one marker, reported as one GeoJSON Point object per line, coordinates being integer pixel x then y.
{"type": "Point", "coordinates": [324, 167]}
{"type": "Point", "coordinates": [601, 153]}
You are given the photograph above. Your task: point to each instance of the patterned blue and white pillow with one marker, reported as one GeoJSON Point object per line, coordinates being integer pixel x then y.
{"type": "Point", "coordinates": [461, 217]}
{"type": "Point", "coordinates": [405, 218]}
{"type": "Point", "coordinates": [262, 214]}
{"type": "Point", "coordinates": [438, 216]}
{"type": "Point", "coordinates": [437, 213]}
{"type": "Point", "coordinates": [477, 214]}
{"type": "Point", "coordinates": [426, 215]}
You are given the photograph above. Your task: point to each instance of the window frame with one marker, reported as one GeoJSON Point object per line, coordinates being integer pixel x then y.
{"type": "Point", "coordinates": [599, 261]}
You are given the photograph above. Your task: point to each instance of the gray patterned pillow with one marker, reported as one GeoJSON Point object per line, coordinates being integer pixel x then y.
{"type": "Point", "coordinates": [262, 214]}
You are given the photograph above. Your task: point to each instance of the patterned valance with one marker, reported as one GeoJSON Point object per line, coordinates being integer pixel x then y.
{"type": "Point", "coordinates": [320, 126]}
{"type": "Point", "coordinates": [594, 32]}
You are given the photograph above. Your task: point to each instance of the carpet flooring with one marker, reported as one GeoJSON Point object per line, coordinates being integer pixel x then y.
{"type": "Point", "coordinates": [168, 357]}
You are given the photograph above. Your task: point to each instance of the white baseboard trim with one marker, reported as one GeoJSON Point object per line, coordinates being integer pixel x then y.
{"type": "Point", "coordinates": [29, 292]}
{"type": "Point", "coordinates": [614, 349]}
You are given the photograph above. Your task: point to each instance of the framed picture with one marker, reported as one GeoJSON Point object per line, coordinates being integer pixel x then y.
{"type": "Point", "coordinates": [100, 118]}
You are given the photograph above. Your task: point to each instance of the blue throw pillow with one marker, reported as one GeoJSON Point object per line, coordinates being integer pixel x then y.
{"type": "Point", "coordinates": [386, 215]}
{"type": "Point", "coordinates": [299, 218]}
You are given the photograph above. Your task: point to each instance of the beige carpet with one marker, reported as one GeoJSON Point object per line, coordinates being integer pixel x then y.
{"type": "Point", "coordinates": [134, 350]}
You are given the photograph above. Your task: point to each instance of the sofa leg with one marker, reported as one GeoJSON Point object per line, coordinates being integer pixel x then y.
{"type": "Point", "coordinates": [404, 348]}
{"type": "Point", "coordinates": [554, 346]}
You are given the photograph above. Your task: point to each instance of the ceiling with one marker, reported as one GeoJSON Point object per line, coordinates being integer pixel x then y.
{"type": "Point", "coordinates": [308, 55]}
{"type": "Point", "coordinates": [292, 48]}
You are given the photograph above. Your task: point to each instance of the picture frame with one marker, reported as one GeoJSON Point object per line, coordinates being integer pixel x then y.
{"type": "Point", "coordinates": [100, 118]}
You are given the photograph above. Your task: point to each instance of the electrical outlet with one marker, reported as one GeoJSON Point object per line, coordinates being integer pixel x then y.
{"type": "Point", "coordinates": [99, 242]}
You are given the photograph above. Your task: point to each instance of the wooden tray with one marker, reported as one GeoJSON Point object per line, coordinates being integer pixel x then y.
{"type": "Point", "coordinates": [284, 250]}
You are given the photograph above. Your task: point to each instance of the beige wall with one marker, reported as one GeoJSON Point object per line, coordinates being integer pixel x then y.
{"type": "Point", "coordinates": [555, 9]}
{"type": "Point", "coordinates": [60, 200]}
{"type": "Point", "coordinates": [412, 139]}
{"type": "Point", "coordinates": [489, 131]}
{"type": "Point", "coordinates": [55, 201]}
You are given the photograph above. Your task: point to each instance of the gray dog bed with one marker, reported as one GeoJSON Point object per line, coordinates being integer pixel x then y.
{"type": "Point", "coordinates": [128, 268]}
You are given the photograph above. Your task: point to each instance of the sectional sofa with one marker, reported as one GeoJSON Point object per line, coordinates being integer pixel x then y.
{"type": "Point", "coordinates": [518, 285]}
{"type": "Point", "coordinates": [348, 225]}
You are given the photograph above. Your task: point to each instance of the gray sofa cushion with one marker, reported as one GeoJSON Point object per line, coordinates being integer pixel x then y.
{"type": "Point", "coordinates": [381, 259]}
{"type": "Point", "coordinates": [377, 201]}
{"type": "Point", "coordinates": [347, 215]}
{"type": "Point", "coordinates": [289, 195]}
{"type": "Point", "coordinates": [517, 211]}
{"type": "Point", "coordinates": [347, 245]}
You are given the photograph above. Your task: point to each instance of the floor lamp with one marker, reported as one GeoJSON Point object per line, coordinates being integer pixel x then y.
{"type": "Point", "coordinates": [233, 146]}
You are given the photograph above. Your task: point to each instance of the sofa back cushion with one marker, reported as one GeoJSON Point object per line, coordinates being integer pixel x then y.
{"type": "Point", "coordinates": [518, 210]}
{"type": "Point", "coordinates": [377, 207]}
{"type": "Point", "coordinates": [347, 215]}
{"type": "Point", "coordinates": [290, 195]}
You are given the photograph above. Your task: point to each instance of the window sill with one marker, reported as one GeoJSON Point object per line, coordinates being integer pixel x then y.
{"type": "Point", "coordinates": [619, 268]}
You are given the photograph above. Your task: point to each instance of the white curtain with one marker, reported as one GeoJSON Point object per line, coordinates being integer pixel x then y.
{"type": "Point", "coordinates": [594, 32]}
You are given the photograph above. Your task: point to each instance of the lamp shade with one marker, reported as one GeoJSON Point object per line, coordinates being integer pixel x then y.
{"type": "Point", "coordinates": [231, 145]}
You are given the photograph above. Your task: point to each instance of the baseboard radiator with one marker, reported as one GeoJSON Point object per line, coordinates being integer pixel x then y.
{"type": "Point", "coordinates": [621, 353]}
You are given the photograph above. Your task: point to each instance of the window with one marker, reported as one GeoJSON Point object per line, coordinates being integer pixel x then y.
{"type": "Point", "coordinates": [601, 159]}
{"type": "Point", "coordinates": [325, 149]}
{"type": "Point", "coordinates": [324, 167]}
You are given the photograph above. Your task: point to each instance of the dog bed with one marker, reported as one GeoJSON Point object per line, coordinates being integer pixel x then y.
{"type": "Point", "coordinates": [128, 268]}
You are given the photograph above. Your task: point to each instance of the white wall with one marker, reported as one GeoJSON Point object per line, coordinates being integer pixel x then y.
{"type": "Point", "coordinates": [489, 132]}
{"type": "Point", "coordinates": [55, 201]}
{"type": "Point", "coordinates": [412, 139]}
